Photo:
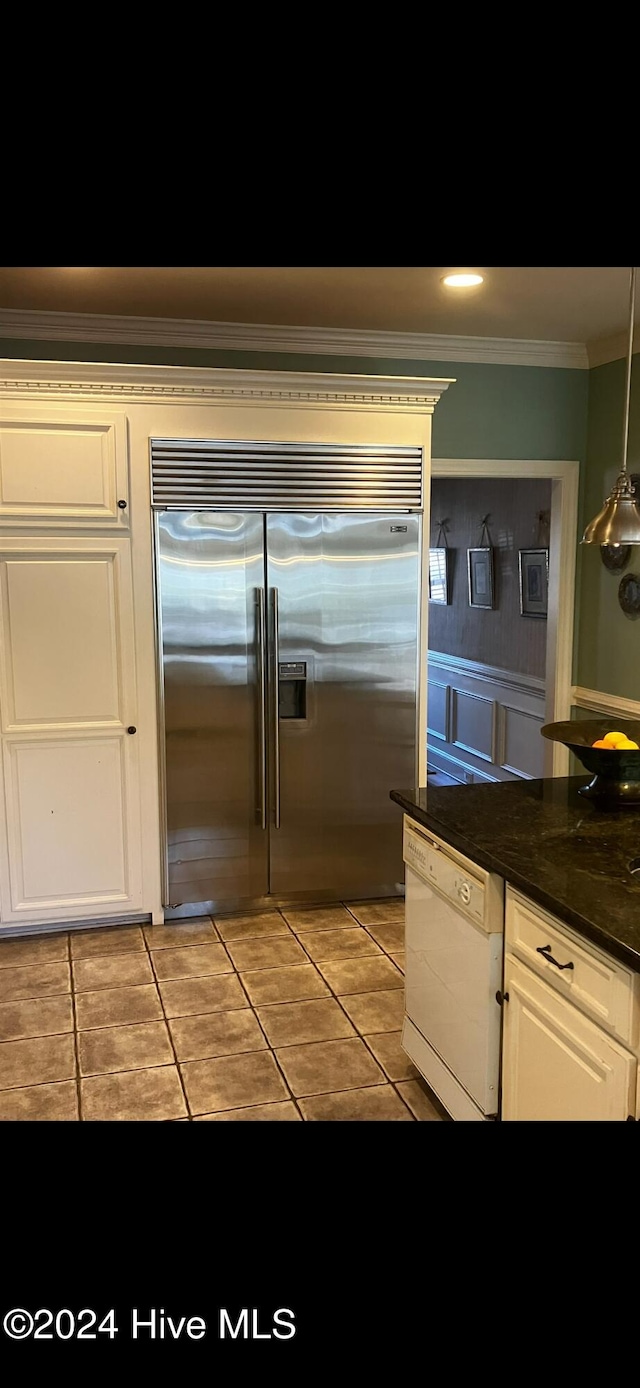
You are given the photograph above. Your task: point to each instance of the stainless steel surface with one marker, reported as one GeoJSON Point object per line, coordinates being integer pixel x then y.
{"type": "Point", "coordinates": [275, 704]}
{"type": "Point", "coordinates": [348, 588]}
{"type": "Point", "coordinates": [209, 565]}
{"type": "Point", "coordinates": [162, 742]}
{"type": "Point", "coordinates": [283, 476]}
{"type": "Point", "coordinates": [281, 795]}
{"type": "Point", "coordinates": [262, 704]}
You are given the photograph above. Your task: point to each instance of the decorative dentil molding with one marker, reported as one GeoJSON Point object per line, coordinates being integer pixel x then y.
{"type": "Point", "coordinates": [82, 380]}
{"type": "Point", "coordinates": [259, 337]}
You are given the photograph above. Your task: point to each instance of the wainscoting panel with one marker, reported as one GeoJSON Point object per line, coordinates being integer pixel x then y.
{"type": "Point", "coordinates": [483, 723]}
{"type": "Point", "coordinates": [473, 723]}
{"type": "Point", "coordinates": [438, 710]}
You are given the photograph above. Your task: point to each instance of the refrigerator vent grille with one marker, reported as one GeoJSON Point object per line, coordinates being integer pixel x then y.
{"type": "Point", "coordinates": [213, 475]}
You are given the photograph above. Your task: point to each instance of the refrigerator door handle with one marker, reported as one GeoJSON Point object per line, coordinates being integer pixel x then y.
{"type": "Point", "coordinates": [262, 702]}
{"type": "Point", "coordinates": [276, 708]}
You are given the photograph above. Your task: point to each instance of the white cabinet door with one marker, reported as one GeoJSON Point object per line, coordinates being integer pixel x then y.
{"type": "Point", "coordinates": [60, 470]}
{"type": "Point", "coordinates": [71, 842]}
{"type": "Point", "coordinates": [556, 1064]}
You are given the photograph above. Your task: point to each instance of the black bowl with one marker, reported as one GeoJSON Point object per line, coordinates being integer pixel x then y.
{"type": "Point", "coordinates": [616, 779]}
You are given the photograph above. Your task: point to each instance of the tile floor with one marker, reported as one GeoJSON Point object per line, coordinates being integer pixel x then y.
{"type": "Point", "coordinates": [273, 1015]}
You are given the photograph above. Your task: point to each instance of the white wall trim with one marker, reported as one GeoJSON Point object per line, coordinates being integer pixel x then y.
{"type": "Point", "coordinates": [260, 337]}
{"type": "Point", "coordinates": [511, 679]}
{"type": "Point", "coordinates": [138, 384]}
{"type": "Point", "coordinates": [608, 349]}
{"type": "Point", "coordinates": [564, 478]}
{"type": "Point", "coordinates": [602, 703]}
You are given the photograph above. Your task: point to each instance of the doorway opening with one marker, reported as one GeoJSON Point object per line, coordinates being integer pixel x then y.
{"type": "Point", "coordinates": [500, 617]}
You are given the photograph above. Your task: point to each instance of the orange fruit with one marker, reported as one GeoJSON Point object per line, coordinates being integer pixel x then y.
{"type": "Point", "coordinates": [600, 743]}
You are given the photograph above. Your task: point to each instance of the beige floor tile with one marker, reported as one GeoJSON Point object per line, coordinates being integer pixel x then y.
{"type": "Point", "coordinates": [233, 1081]}
{"type": "Point", "coordinates": [144, 1095]}
{"type": "Point", "coordinates": [219, 1033]}
{"type": "Point", "coordinates": [360, 975]}
{"type": "Point", "coordinates": [39, 1017]}
{"type": "Point", "coordinates": [40, 1103]}
{"type": "Point", "coordinates": [378, 912]}
{"type": "Point", "coordinates": [115, 1007]}
{"type": "Point", "coordinates": [195, 961]}
{"type": "Point", "coordinates": [325, 1066]}
{"type": "Point", "coordinates": [378, 1011]}
{"type": "Point", "coordinates": [260, 1113]}
{"type": "Point", "coordinates": [185, 997]}
{"type": "Point", "coordinates": [425, 1109]}
{"type": "Point", "coordinates": [284, 985]}
{"type": "Point", "coordinates": [254, 926]}
{"type": "Point", "coordinates": [378, 1104]}
{"type": "Point", "coordinates": [34, 981]}
{"type": "Point", "coordinates": [337, 944]}
{"type": "Point", "coordinates": [292, 1023]}
{"type": "Point", "coordinates": [266, 954]}
{"type": "Point", "coordinates": [196, 930]}
{"type": "Point", "coordinates": [398, 957]}
{"type": "Point", "coordinates": [38, 1061]}
{"type": "Point", "coordinates": [111, 971]}
{"type": "Point", "coordinates": [94, 944]}
{"type": "Point", "coordinates": [387, 1049]}
{"type": "Point", "coordinates": [43, 949]}
{"type": "Point", "coordinates": [318, 918]}
{"type": "Point", "coordinates": [389, 937]}
{"type": "Point", "coordinates": [124, 1048]}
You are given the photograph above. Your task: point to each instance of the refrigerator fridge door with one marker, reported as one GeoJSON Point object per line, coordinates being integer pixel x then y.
{"type": "Point", "coordinates": [212, 628]}
{"type": "Point", "coordinates": [343, 622]}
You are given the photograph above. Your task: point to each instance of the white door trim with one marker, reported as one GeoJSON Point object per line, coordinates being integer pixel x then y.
{"type": "Point", "coordinates": [564, 477]}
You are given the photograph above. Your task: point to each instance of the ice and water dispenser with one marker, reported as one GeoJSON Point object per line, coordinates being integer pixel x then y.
{"type": "Point", "coordinates": [292, 688]}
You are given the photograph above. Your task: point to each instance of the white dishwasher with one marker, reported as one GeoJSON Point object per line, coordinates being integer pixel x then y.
{"type": "Point", "coordinates": [454, 923]}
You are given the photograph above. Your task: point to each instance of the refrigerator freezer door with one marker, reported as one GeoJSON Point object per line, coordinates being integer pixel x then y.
{"type": "Point", "coordinates": [211, 582]}
{"type": "Point", "coordinates": [343, 599]}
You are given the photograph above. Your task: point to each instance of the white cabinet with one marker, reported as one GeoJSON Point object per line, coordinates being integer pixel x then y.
{"type": "Point", "coordinates": [62, 468]}
{"type": "Point", "coordinates": [70, 845]}
{"type": "Point", "coordinates": [568, 1010]}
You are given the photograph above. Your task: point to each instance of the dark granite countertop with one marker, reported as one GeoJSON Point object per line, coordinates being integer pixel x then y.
{"type": "Point", "coordinates": [550, 843]}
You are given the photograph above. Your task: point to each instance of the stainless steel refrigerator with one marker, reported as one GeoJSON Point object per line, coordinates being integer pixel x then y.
{"type": "Point", "coordinates": [288, 646]}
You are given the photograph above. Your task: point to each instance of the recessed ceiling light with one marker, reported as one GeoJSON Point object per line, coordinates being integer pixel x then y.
{"type": "Point", "coordinates": [462, 279]}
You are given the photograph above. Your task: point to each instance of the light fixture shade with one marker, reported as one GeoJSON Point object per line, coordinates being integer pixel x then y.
{"type": "Point", "coordinates": [618, 523]}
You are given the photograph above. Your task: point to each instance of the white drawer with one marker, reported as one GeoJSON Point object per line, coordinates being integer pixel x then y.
{"type": "Point", "coordinates": [598, 984]}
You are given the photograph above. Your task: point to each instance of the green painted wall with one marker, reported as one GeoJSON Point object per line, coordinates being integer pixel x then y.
{"type": "Point", "coordinates": [608, 642]}
{"type": "Point", "coordinates": [490, 411]}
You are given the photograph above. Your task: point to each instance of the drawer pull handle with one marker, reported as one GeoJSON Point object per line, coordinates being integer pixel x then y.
{"type": "Point", "coordinates": [545, 951]}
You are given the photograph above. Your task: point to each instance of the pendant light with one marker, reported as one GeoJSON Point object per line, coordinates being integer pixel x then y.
{"type": "Point", "coordinates": [618, 523]}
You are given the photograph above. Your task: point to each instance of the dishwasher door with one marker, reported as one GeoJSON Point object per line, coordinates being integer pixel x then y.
{"type": "Point", "coordinates": [453, 972]}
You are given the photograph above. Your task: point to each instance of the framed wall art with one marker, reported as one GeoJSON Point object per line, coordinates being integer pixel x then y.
{"type": "Point", "coordinates": [481, 584]}
{"type": "Point", "coordinates": [534, 582]}
{"type": "Point", "coordinates": [439, 577]}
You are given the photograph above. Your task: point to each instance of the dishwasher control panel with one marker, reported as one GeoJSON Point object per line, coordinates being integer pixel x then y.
{"type": "Point", "coordinates": [466, 886]}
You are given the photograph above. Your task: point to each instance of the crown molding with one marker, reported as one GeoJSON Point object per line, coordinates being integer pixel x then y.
{"type": "Point", "coordinates": [255, 337]}
{"type": "Point", "coordinates": [138, 384]}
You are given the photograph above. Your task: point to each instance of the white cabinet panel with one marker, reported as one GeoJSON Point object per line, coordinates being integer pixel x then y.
{"type": "Point", "coordinates": [558, 1066]}
{"type": "Point", "coordinates": [60, 471]}
{"type": "Point", "coordinates": [65, 644]}
{"type": "Point", "coordinates": [72, 827]}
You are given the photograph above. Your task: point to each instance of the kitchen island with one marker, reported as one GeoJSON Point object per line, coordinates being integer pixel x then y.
{"type": "Point", "coordinates": [565, 978]}
{"type": "Point", "coordinates": [552, 844]}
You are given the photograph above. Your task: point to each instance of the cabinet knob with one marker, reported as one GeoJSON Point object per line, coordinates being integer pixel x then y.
{"type": "Point", "coordinates": [122, 505]}
{"type": "Point", "coordinates": [131, 729]}
{"type": "Point", "coordinates": [501, 997]}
